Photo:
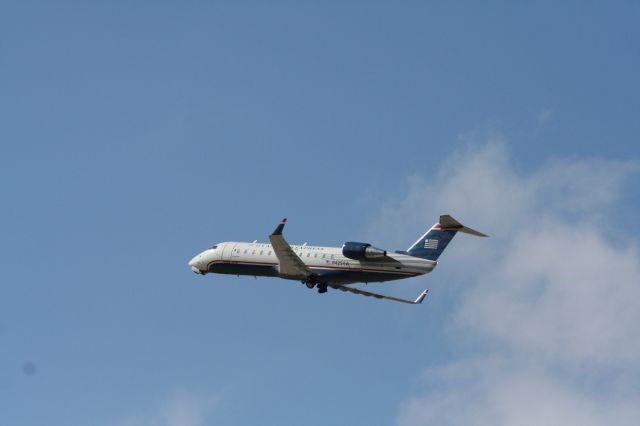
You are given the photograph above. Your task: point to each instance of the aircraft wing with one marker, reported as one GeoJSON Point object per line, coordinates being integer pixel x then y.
{"type": "Point", "coordinates": [354, 290]}
{"type": "Point", "coordinates": [291, 265]}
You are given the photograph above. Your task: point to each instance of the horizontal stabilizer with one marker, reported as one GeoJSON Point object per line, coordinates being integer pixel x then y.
{"type": "Point", "coordinates": [448, 222]}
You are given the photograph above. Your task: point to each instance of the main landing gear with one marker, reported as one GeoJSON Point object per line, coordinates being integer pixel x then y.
{"type": "Point", "coordinates": [322, 287]}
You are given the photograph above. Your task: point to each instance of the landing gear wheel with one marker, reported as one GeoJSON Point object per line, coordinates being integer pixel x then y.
{"type": "Point", "coordinates": [310, 284]}
{"type": "Point", "coordinates": [322, 288]}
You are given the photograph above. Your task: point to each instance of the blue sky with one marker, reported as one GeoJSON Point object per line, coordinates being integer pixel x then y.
{"type": "Point", "coordinates": [135, 134]}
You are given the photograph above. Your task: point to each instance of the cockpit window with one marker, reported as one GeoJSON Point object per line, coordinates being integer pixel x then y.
{"type": "Point", "coordinates": [214, 247]}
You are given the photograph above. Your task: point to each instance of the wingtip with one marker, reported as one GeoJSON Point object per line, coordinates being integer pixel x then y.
{"type": "Point", "coordinates": [421, 297]}
{"type": "Point", "coordinates": [280, 227]}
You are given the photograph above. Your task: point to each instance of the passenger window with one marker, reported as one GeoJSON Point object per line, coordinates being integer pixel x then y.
{"type": "Point", "coordinates": [245, 251]}
{"type": "Point", "coordinates": [261, 252]}
{"type": "Point", "coordinates": [253, 252]}
{"type": "Point", "coordinates": [269, 252]}
{"type": "Point", "coordinates": [323, 255]}
{"type": "Point", "coordinates": [308, 254]}
{"type": "Point", "coordinates": [315, 255]}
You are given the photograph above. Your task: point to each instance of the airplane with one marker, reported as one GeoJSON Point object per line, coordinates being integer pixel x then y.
{"type": "Point", "coordinates": [333, 267]}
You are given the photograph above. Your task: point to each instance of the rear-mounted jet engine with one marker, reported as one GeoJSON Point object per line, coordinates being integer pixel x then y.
{"type": "Point", "coordinates": [362, 251]}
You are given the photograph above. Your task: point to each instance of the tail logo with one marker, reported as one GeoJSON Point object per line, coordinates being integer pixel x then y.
{"type": "Point", "coordinates": [430, 244]}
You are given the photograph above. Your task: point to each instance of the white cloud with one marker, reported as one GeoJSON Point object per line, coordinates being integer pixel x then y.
{"type": "Point", "coordinates": [554, 292]}
{"type": "Point", "coordinates": [181, 409]}
{"type": "Point", "coordinates": [493, 391]}
{"type": "Point", "coordinates": [561, 291]}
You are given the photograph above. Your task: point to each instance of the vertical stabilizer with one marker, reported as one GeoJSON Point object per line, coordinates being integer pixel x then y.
{"type": "Point", "coordinates": [435, 240]}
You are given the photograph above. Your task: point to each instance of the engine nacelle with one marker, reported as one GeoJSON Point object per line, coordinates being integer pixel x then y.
{"type": "Point", "coordinates": [361, 251]}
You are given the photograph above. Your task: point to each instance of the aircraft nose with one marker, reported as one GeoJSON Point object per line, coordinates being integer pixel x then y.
{"type": "Point", "coordinates": [193, 263]}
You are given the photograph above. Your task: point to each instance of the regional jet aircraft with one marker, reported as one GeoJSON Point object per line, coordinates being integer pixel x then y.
{"type": "Point", "coordinates": [334, 267]}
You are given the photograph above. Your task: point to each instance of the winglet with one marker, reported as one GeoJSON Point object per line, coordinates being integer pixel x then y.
{"type": "Point", "coordinates": [280, 227]}
{"type": "Point", "coordinates": [421, 297]}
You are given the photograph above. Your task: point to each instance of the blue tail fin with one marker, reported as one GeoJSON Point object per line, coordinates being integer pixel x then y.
{"type": "Point", "coordinates": [435, 240]}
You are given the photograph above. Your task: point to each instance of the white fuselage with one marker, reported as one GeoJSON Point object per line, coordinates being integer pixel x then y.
{"type": "Point", "coordinates": [328, 263]}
